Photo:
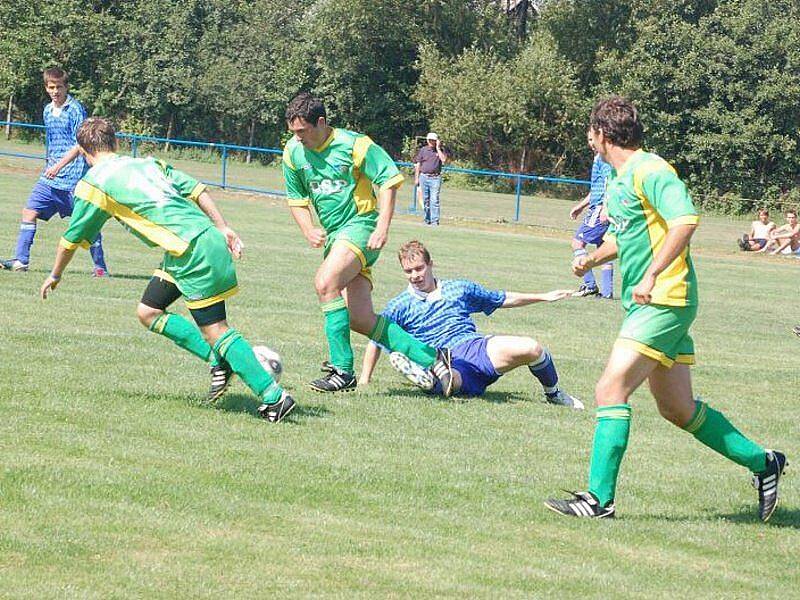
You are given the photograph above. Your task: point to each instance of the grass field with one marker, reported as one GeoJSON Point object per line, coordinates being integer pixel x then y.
{"type": "Point", "coordinates": [116, 482]}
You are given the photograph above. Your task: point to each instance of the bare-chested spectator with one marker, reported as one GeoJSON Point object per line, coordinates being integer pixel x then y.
{"type": "Point", "coordinates": [786, 238]}
{"type": "Point", "coordinates": [759, 233]}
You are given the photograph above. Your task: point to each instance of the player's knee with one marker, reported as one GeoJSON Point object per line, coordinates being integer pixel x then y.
{"type": "Point", "coordinates": [577, 244]}
{"type": "Point", "coordinates": [675, 417]}
{"type": "Point", "coordinates": [534, 350]}
{"type": "Point", "coordinates": [147, 314]}
{"type": "Point", "coordinates": [29, 216]}
{"type": "Point", "coordinates": [606, 392]}
{"type": "Point", "coordinates": [325, 287]}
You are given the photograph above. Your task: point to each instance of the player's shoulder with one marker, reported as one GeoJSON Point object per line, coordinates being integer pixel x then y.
{"type": "Point", "coordinates": [290, 152]}
{"type": "Point", "coordinates": [650, 165]}
{"type": "Point", "coordinates": [399, 303]}
{"type": "Point", "coordinates": [456, 287]}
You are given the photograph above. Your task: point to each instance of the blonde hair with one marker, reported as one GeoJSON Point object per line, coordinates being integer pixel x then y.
{"type": "Point", "coordinates": [413, 249]}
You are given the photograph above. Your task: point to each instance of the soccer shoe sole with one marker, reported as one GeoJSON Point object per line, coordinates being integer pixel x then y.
{"type": "Point", "coordinates": [220, 393]}
{"type": "Point", "coordinates": [410, 370]}
{"type": "Point", "coordinates": [768, 516]}
{"type": "Point", "coordinates": [316, 388]}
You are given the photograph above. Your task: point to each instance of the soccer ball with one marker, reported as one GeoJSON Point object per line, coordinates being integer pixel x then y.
{"type": "Point", "coordinates": [270, 360]}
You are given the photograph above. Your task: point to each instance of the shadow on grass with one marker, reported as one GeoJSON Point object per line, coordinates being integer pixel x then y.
{"type": "Point", "coordinates": [134, 276]}
{"type": "Point", "coordinates": [785, 518]}
{"type": "Point", "coordinates": [491, 396]}
{"type": "Point", "coordinates": [245, 403]}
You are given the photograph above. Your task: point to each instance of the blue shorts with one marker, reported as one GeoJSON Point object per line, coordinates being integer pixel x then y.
{"type": "Point", "coordinates": [472, 362]}
{"type": "Point", "coordinates": [591, 234]}
{"type": "Point", "coordinates": [47, 201]}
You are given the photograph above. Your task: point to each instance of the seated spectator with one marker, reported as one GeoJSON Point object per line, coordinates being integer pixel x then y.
{"type": "Point", "coordinates": [786, 238]}
{"type": "Point", "coordinates": [759, 233]}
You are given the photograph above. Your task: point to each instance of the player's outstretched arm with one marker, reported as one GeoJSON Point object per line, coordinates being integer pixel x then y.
{"type": "Point", "coordinates": [314, 235]}
{"type": "Point", "coordinates": [209, 207]}
{"type": "Point", "coordinates": [675, 242]}
{"type": "Point", "coordinates": [578, 208]}
{"type": "Point", "coordinates": [63, 257]}
{"type": "Point", "coordinates": [71, 155]}
{"type": "Point", "coordinates": [515, 299]}
{"type": "Point", "coordinates": [371, 356]}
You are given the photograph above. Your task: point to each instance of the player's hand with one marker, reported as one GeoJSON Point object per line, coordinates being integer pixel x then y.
{"type": "Point", "coordinates": [556, 295]}
{"type": "Point", "coordinates": [51, 172]}
{"type": "Point", "coordinates": [235, 244]}
{"type": "Point", "coordinates": [641, 293]}
{"type": "Point", "coordinates": [49, 284]}
{"type": "Point", "coordinates": [316, 237]}
{"type": "Point", "coordinates": [580, 265]}
{"type": "Point", "coordinates": [377, 240]}
{"type": "Point", "coordinates": [576, 210]}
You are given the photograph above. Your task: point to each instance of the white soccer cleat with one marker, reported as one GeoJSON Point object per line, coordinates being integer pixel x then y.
{"type": "Point", "coordinates": [422, 378]}
{"type": "Point", "coordinates": [562, 398]}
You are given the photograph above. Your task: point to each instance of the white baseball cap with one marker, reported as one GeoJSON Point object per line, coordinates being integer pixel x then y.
{"type": "Point", "coordinates": [432, 136]}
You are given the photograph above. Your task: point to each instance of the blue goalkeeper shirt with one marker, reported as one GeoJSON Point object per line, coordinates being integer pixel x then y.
{"type": "Point", "coordinates": [442, 318]}
{"type": "Point", "coordinates": [61, 128]}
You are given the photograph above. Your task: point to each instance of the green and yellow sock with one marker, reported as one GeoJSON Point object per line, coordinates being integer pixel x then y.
{"type": "Point", "coordinates": [711, 428]}
{"type": "Point", "coordinates": [232, 347]}
{"type": "Point", "coordinates": [390, 335]}
{"type": "Point", "coordinates": [337, 332]}
{"type": "Point", "coordinates": [610, 442]}
{"type": "Point", "coordinates": [183, 333]}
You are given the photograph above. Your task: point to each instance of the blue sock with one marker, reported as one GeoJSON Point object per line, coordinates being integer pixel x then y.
{"type": "Point", "coordinates": [545, 371]}
{"type": "Point", "coordinates": [589, 280]}
{"type": "Point", "coordinates": [24, 242]}
{"type": "Point", "coordinates": [607, 280]}
{"type": "Point", "coordinates": [96, 250]}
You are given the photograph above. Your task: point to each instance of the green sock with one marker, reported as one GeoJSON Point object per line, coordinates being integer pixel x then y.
{"type": "Point", "coordinates": [390, 335]}
{"type": "Point", "coordinates": [337, 331]}
{"type": "Point", "coordinates": [610, 442]}
{"type": "Point", "coordinates": [715, 431]}
{"type": "Point", "coordinates": [234, 349]}
{"type": "Point", "coordinates": [183, 333]}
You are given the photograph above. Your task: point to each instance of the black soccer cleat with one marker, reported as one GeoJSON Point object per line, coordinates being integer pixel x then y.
{"type": "Point", "coordinates": [796, 330]}
{"type": "Point", "coordinates": [336, 380]}
{"type": "Point", "coordinates": [766, 483]}
{"type": "Point", "coordinates": [442, 370]}
{"type": "Point", "coordinates": [275, 412]}
{"type": "Point", "coordinates": [586, 290]}
{"type": "Point", "coordinates": [221, 376]}
{"type": "Point", "coordinates": [582, 504]}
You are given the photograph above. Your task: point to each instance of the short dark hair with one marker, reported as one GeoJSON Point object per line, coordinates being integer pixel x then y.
{"type": "Point", "coordinates": [97, 134]}
{"type": "Point", "coordinates": [55, 74]}
{"type": "Point", "coordinates": [618, 119]}
{"type": "Point", "coordinates": [307, 107]}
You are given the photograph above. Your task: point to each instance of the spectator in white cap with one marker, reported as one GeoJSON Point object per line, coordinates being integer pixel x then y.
{"type": "Point", "coordinates": [428, 176]}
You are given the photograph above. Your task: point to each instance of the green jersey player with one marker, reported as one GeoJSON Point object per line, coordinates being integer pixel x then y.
{"type": "Point", "coordinates": [652, 220]}
{"type": "Point", "coordinates": [167, 209]}
{"type": "Point", "coordinates": [334, 171]}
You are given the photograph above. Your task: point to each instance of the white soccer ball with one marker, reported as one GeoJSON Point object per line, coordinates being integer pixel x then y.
{"type": "Point", "coordinates": [270, 360]}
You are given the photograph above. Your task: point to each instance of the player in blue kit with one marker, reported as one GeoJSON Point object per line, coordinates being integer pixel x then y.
{"type": "Point", "coordinates": [65, 166]}
{"type": "Point", "coordinates": [593, 228]}
{"type": "Point", "coordinates": [438, 313]}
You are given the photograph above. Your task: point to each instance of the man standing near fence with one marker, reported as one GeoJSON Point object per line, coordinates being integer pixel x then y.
{"type": "Point", "coordinates": [65, 166]}
{"type": "Point", "coordinates": [428, 176]}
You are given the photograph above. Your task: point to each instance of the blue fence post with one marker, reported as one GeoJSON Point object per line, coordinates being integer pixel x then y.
{"type": "Point", "coordinates": [519, 194]}
{"type": "Point", "coordinates": [412, 208]}
{"type": "Point", "coordinates": [224, 166]}
{"type": "Point", "coordinates": [134, 146]}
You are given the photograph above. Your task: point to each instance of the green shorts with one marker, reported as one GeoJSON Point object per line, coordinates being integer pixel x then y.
{"type": "Point", "coordinates": [660, 332]}
{"type": "Point", "coordinates": [355, 236]}
{"type": "Point", "coordinates": [204, 273]}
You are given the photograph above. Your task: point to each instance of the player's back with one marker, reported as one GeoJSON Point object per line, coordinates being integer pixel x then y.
{"type": "Point", "coordinates": [149, 198]}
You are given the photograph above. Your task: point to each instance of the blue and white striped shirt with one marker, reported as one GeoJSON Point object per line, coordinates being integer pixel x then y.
{"type": "Point", "coordinates": [597, 193]}
{"type": "Point", "coordinates": [442, 318]}
{"type": "Point", "coordinates": [61, 127]}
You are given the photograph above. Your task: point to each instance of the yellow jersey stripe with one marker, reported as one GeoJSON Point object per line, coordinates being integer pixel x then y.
{"type": "Point", "coordinates": [66, 244]}
{"type": "Point", "coordinates": [213, 299]}
{"type": "Point", "coordinates": [198, 189]}
{"type": "Point", "coordinates": [287, 158]}
{"type": "Point", "coordinates": [157, 234]}
{"type": "Point", "coordinates": [360, 148]}
{"type": "Point", "coordinates": [684, 220]}
{"type": "Point", "coordinates": [327, 142]}
{"type": "Point", "coordinates": [395, 181]}
{"type": "Point", "coordinates": [298, 201]}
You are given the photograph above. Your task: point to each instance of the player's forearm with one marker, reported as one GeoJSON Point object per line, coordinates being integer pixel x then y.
{"type": "Point", "coordinates": [442, 156]}
{"type": "Point", "coordinates": [207, 205]}
{"type": "Point", "coordinates": [371, 356]}
{"type": "Point", "coordinates": [676, 242]}
{"type": "Point", "coordinates": [515, 299]}
{"type": "Point", "coordinates": [63, 258]}
{"type": "Point", "coordinates": [71, 155]}
{"type": "Point", "coordinates": [386, 202]}
{"type": "Point", "coordinates": [302, 216]}
{"type": "Point", "coordinates": [605, 253]}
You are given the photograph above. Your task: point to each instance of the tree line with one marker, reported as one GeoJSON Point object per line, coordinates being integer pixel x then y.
{"type": "Point", "coordinates": [717, 81]}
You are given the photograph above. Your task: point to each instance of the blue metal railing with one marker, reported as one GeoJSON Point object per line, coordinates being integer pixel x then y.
{"type": "Point", "coordinates": [135, 140]}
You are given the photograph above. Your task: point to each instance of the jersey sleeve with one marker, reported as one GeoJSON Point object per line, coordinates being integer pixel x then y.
{"type": "Point", "coordinates": [77, 117]}
{"type": "Point", "coordinates": [296, 190]}
{"type": "Point", "coordinates": [669, 196]}
{"type": "Point", "coordinates": [376, 164]}
{"type": "Point", "coordinates": [479, 299]}
{"type": "Point", "coordinates": [186, 185]}
{"type": "Point", "coordinates": [86, 222]}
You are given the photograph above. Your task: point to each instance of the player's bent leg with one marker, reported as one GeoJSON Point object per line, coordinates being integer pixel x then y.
{"type": "Point", "coordinates": [22, 251]}
{"type": "Point", "coordinates": [673, 392]}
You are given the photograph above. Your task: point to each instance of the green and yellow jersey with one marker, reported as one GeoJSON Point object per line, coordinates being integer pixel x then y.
{"type": "Point", "coordinates": [148, 197]}
{"type": "Point", "coordinates": [645, 199]}
{"type": "Point", "coordinates": [337, 177]}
